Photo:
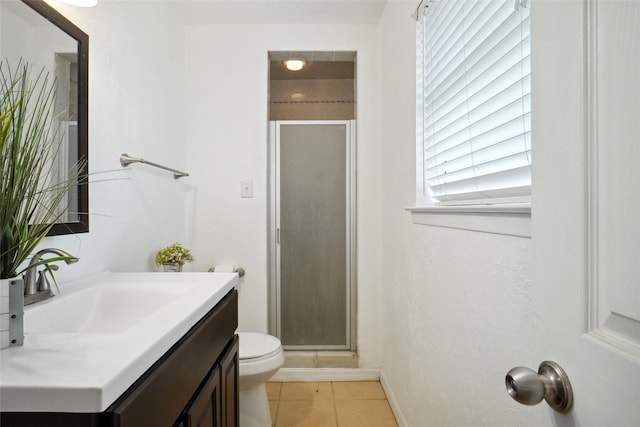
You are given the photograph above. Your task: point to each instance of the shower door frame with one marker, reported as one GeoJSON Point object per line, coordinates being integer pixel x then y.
{"type": "Point", "coordinates": [275, 324]}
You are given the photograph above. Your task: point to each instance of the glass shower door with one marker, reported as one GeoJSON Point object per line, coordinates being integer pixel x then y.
{"type": "Point", "coordinates": [314, 221]}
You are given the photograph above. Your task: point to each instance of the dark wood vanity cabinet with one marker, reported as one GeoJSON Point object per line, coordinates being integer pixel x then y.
{"type": "Point", "coordinates": [216, 404]}
{"type": "Point", "coordinates": [230, 369]}
{"type": "Point", "coordinates": [206, 409]}
{"type": "Point", "coordinates": [194, 384]}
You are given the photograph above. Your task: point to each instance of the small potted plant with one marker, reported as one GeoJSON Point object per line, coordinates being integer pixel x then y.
{"type": "Point", "coordinates": [173, 257]}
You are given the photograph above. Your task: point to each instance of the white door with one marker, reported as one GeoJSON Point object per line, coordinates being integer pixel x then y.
{"type": "Point", "coordinates": [586, 205]}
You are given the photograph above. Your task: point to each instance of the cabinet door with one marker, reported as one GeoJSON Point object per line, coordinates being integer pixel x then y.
{"type": "Point", "coordinates": [205, 411]}
{"type": "Point", "coordinates": [229, 371]}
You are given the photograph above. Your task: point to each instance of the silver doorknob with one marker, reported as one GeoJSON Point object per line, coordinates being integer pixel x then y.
{"type": "Point", "coordinates": [551, 383]}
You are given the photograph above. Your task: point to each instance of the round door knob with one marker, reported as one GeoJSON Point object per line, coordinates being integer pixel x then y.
{"type": "Point", "coordinates": [525, 386]}
{"type": "Point", "coordinates": [550, 383]}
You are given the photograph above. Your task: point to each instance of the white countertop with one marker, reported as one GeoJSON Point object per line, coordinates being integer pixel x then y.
{"type": "Point", "coordinates": [86, 346]}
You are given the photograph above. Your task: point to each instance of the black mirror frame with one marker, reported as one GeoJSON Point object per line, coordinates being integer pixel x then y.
{"type": "Point", "coordinates": [57, 19]}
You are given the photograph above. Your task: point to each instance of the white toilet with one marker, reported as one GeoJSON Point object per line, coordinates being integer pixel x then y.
{"type": "Point", "coordinates": [260, 358]}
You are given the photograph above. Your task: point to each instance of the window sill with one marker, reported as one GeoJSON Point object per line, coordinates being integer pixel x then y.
{"type": "Point", "coordinates": [510, 220]}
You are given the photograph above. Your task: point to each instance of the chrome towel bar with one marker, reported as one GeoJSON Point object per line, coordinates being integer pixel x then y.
{"type": "Point", "coordinates": [126, 160]}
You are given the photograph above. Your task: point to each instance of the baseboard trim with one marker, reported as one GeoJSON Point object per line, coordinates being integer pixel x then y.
{"type": "Point", "coordinates": [325, 374]}
{"type": "Point", "coordinates": [392, 401]}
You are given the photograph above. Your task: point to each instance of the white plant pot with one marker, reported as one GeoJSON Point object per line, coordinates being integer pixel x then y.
{"type": "Point", "coordinates": [173, 267]}
{"type": "Point", "coordinates": [11, 312]}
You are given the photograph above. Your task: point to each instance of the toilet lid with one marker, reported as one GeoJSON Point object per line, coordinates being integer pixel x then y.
{"type": "Point", "coordinates": [254, 345]}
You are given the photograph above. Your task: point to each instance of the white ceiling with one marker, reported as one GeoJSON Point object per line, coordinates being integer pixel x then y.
{"type": "Point", "coordinates": [273, 11]}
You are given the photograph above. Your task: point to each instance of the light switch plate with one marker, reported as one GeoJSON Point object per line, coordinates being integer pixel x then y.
{"type": "Point", "coordinates": [246, 188]}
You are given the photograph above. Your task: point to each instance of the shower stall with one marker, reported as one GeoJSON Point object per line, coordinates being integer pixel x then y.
{"type": "Point", "coordinates": [313, 234]}
{"type": "Point", "coordinates": [312, 230]}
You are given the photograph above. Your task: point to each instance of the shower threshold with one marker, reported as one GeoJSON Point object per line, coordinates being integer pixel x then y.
{"type": "Point", "coordinates": [320, 359]}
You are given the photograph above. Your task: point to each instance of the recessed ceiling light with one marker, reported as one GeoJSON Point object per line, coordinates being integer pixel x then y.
{"type": "Point", "coordinates": [294, 64]}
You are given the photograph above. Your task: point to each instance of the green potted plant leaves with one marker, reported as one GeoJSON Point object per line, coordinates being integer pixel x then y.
{"type": "Point", "coordinates": [173, 257]}
{"type": "Point", "coordinates": [32, 195]}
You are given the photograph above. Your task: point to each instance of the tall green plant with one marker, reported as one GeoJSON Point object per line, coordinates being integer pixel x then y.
{"type": "Point", "coordinates": [30, 194]}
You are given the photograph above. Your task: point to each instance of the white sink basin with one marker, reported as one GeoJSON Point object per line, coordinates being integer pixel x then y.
{"type": "Point", "coordinates": [105, 308]}
{"type": "Point", "coordinates": [85, 347]}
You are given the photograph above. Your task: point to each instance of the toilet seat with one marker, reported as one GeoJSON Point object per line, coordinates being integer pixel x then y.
{"type": "Point", "coordinates": [255, 347]}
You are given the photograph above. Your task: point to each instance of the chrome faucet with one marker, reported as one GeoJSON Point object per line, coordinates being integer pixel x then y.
{"type": "Point", "coordinates": [38, 289]}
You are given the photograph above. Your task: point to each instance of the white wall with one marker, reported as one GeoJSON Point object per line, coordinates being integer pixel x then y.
{"type": "Point", "coordinates": [226, 125]}
{"type": "Point", "coordinates": [457, 303]}
{"type": "Point", "coordinates": [136, 100]}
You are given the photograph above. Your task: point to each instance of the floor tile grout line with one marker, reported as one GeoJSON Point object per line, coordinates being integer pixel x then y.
{"type": "Point", "coordinates": [335, 409]}
{"type": "Point", "coordinates": [277, 411]}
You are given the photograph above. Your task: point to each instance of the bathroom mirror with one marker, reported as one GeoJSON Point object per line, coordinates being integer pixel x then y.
{"type": "Point", "coordinates": [34, 32]}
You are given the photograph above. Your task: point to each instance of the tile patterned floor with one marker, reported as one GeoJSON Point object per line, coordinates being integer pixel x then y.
{"type": "Point", "coordinates": [325, 404]}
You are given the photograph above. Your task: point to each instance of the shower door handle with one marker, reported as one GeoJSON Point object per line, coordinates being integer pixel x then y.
{"type": "Point", "coordinates": [278, 236]}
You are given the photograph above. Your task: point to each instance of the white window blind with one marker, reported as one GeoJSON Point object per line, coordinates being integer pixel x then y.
{"type": "Point", "coordinates": [474, 101]}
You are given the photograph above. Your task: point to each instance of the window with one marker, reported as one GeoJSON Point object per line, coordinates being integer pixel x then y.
{"type": "Point", "coordinates": [474, 102]}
